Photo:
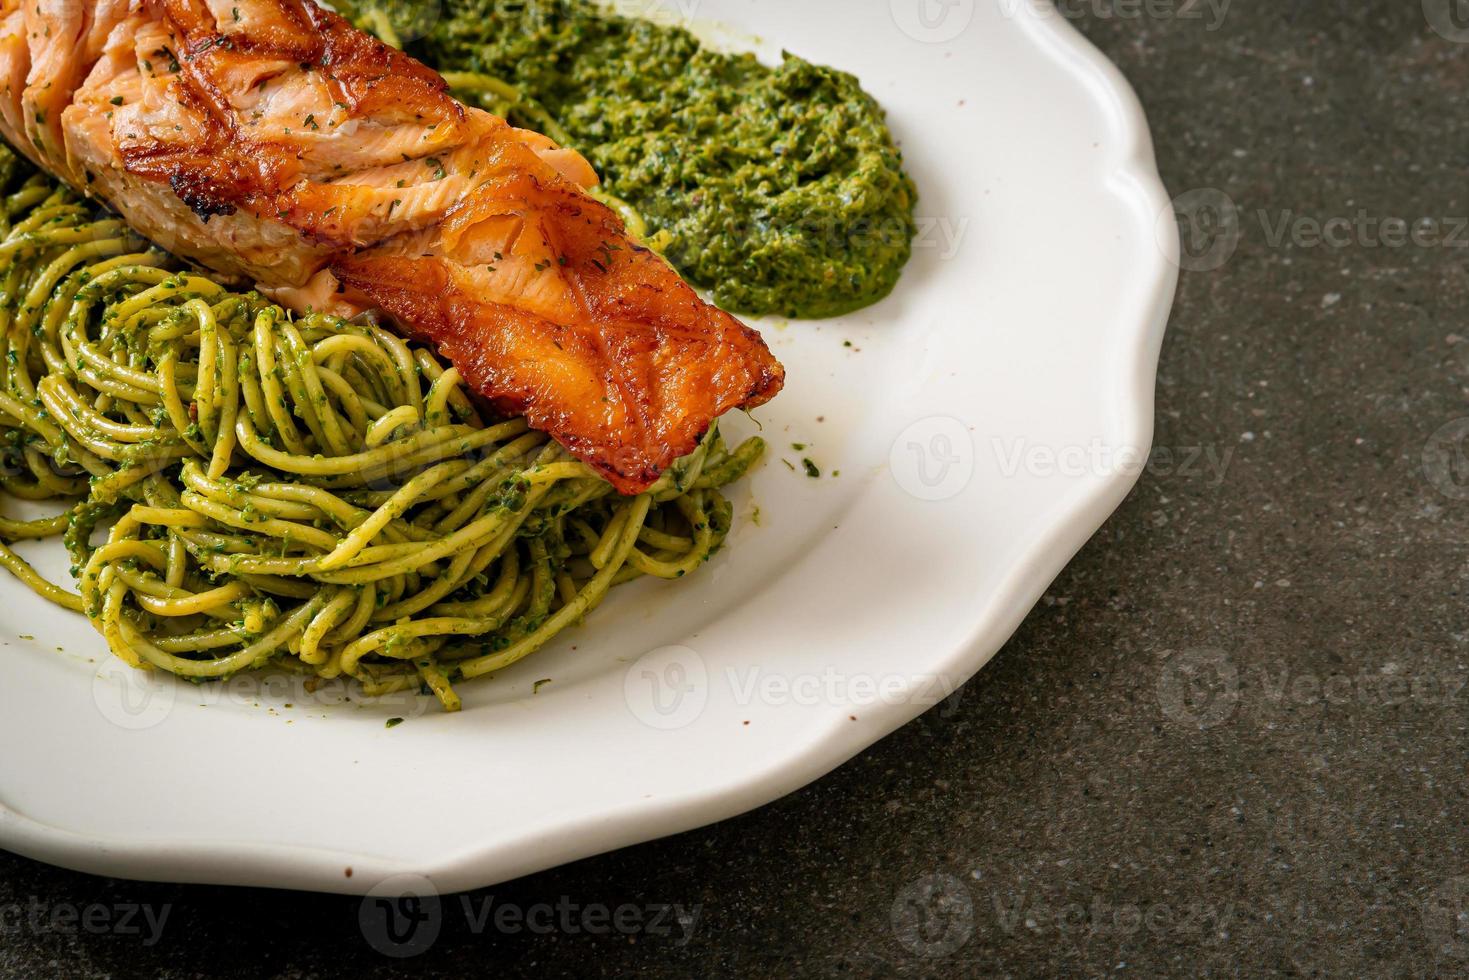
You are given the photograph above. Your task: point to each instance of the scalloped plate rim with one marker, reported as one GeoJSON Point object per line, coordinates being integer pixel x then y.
{"type": "Point", "coordinates": [1134, 178]}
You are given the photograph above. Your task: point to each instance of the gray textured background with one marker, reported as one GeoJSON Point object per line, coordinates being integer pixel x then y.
{"type": "Point", "coordinates": [1232, 737]}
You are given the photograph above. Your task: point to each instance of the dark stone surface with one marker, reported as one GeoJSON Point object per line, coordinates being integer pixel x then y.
{"type": "Point", "coordinates": [1316, 823]}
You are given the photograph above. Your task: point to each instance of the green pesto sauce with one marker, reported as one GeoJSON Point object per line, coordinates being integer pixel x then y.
{"type": "Point", "coordinates": [12, 168]}
{"type": "Point", "coordinates": [780, 190]}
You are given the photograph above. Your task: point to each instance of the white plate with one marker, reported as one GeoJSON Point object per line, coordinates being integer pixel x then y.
{"type": "Point", "coordinates": [985, 421]}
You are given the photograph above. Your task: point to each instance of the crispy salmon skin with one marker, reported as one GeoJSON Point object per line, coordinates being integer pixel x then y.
{"type": "Point", "coordinates": [271, 140]}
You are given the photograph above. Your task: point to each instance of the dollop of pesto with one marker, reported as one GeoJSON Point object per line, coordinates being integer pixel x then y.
{"type": "Point", "coordinates": [778, 189]}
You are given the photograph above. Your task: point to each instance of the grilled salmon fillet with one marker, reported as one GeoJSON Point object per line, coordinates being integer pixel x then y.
{"type": "Point", "coordinates": [271, 140]}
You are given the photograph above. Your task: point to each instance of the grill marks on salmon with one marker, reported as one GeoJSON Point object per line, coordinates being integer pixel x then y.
{"type": "Point", "coordinates": [270, 140]}
{"type": "Point", "coordinates": [603, 338]}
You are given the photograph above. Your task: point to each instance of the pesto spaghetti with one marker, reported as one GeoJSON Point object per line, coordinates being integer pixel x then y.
{"type": "Point", "coordinates": [299, 493]}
